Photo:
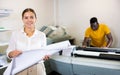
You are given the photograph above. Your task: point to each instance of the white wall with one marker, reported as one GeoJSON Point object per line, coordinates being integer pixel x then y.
{"type": "Point", "coordinates": [75, 15]}
{"type": "Point", "coordinates": [43, 8]}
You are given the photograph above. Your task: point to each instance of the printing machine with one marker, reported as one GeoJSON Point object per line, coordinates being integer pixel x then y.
{"type": "Point", "coordinates": [55, 34]}
{"type": "Point", "coordinates": [87, 61]}
{"type": "Point", "coordinates": [95, 52]}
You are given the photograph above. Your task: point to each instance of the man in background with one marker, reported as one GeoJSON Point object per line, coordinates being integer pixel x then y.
{"type": "Point", "coordinates": [97, 35]}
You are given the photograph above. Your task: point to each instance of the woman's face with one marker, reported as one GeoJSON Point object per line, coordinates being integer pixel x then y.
{"type": "Point", "coordinates": [29, 19]}
{"type": "Point", "coordinates": [94, 26]}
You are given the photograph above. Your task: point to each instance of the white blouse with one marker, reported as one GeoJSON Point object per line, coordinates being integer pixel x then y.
{"type": "Point", "coordinates": [20, 41]}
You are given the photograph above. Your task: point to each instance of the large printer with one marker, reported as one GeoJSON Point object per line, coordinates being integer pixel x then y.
{"type": "Point", "coordinates": [87, 61]}
{"type": "Point", "coordinates": [95, 52]}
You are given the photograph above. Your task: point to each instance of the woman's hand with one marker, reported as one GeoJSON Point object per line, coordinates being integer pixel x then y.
{"type": "Point", "coordinates": [46, 57]}
{"type": "Point", "coordinates": [14, 53]}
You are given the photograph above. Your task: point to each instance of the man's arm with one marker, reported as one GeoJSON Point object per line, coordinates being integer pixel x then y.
{"type": "Point", "coordinates": [110, 40]}
{"type": "Point", "coordinates": [85, 41]}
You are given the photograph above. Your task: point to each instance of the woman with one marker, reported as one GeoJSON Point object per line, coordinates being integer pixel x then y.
{"type": "Point", "coordinates": [28, 38]}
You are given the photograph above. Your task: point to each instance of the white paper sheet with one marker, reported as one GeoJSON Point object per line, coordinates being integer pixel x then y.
{"type": "Point", "coordinates": [29, 58]}
{"type": "Point", "coordinates": [90, 53]}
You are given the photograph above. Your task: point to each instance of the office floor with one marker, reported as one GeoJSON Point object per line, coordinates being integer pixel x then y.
{"type": "Point", "coordinates": [54, 73]}
{"type": "Point", "coordinates": [2, 71]}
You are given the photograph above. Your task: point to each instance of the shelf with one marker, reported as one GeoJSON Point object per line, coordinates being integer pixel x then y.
{"type": "Point", "coordinates": [3, 61]}
{"type": "Point", "coordinates": [2, 29]}
{"type": "Point", "coordinates": [5, 12]}
{"type": "Point", "coordinates": [3, 43]}
{"type": "Point", "coordinates": [4, 66]}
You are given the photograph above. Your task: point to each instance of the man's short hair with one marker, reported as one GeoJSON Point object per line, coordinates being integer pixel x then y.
{"type": "Point", "coordinates": [93, 20]}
